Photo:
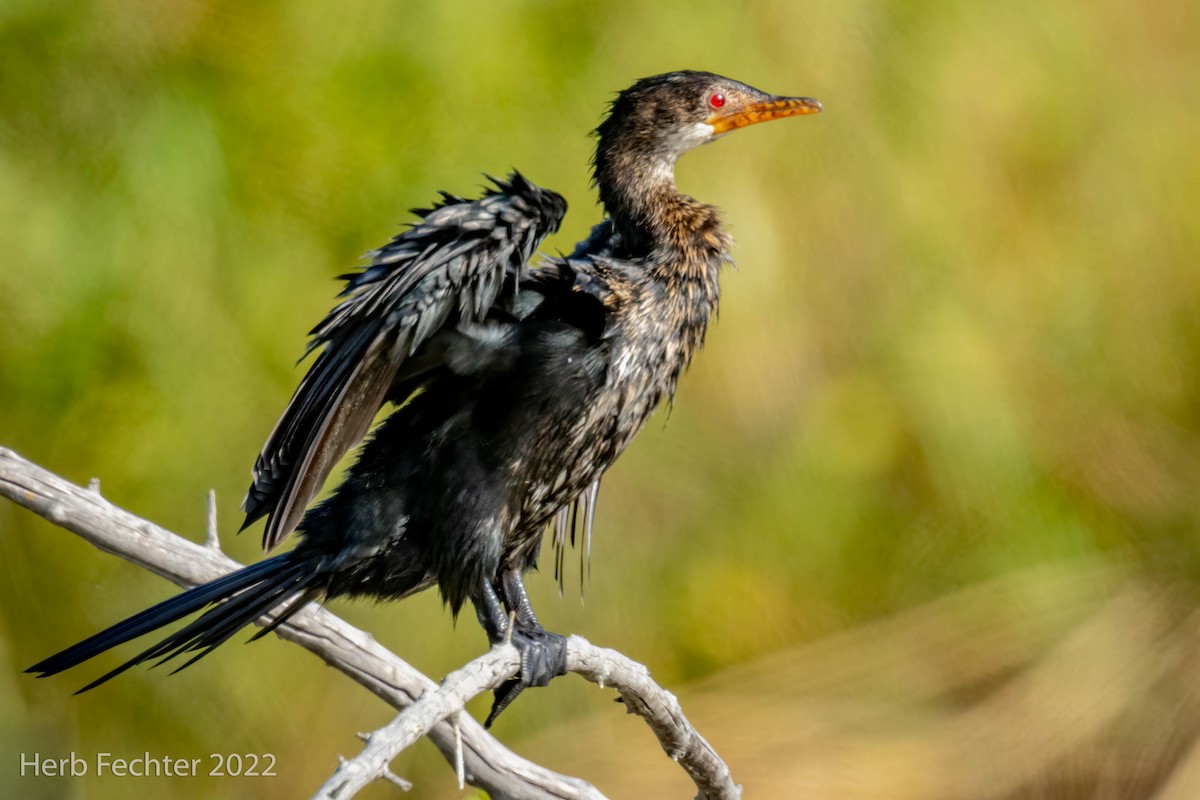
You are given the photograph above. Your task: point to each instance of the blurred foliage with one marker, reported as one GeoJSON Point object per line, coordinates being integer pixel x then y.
{"type": "Point", "coordinates": [963, 339]}
{"type": "Point", "coordinates": [1055, 683]}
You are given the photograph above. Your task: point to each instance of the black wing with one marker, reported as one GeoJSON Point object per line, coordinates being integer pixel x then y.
{"type": "Point", "coordinates": [450, 266]}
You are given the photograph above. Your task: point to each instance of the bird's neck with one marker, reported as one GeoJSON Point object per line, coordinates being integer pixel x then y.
{"type": "Point", "coordinates": [653, 219]}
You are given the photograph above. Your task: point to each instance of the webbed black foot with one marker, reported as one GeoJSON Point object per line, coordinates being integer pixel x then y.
{"type": "Point", "coordinates": [543, 658]}
{"type": "Point", "coordinates": [543, 654]}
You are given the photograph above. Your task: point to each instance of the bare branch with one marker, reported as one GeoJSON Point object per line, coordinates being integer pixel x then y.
{"type": "Point", "coordinates": [426, 709]}
{"type": "Point", "coordinates": [212, 539]}
{"type": "Point", "coordinates": [602, 666]}
{"type": "Point", "coordinates": [447, 700]}
{"type": "Point", "coordinates": [662, 712]}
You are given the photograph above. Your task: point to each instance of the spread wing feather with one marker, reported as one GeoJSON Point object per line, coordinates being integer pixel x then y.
{"type": "Point", "coordinates": [448, 267]}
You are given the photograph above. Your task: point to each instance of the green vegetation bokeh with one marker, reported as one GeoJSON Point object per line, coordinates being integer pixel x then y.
{"type": "Point", "coordinates": [962, 339]}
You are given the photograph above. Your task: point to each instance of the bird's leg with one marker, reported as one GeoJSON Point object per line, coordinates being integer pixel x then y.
{"type": "Point", "coordinates": [512, 585]}
{"type": "Point", "coordinates": [491, 614]}
{"type": "Point", "coordinates": [543, 654]}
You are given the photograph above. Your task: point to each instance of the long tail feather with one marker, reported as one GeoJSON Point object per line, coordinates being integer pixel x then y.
{"type": "Point", "coordinates": [240, 598]}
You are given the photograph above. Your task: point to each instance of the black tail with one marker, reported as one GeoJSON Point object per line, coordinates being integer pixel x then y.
{"type": "Point", "coordinates": [240, 597]}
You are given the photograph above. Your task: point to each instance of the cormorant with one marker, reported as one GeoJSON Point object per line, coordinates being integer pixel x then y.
{"type": "Point", "coordinates": [515, 388]}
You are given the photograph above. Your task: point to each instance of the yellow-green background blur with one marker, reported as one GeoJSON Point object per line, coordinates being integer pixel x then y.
{"type": "Point", "coordinates": [961, 342]}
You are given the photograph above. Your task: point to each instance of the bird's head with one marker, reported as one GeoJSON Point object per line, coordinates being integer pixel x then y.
{"type": "Point", "coordinates": [658, 119]}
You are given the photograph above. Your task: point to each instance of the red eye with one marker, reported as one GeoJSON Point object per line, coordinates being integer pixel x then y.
{"type": "Point", "coordinates": [717, 100]}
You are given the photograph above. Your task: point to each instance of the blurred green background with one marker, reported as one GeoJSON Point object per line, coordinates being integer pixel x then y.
{"type": "Point", "coordinates": [961, 344]}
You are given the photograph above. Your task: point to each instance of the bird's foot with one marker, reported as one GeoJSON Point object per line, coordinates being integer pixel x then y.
{"type": "Point", "coordinates": [543, 658]}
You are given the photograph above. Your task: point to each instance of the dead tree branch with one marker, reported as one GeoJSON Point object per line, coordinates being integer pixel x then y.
{"type": "Point", "coordinates": [426, 708]}
{"type": "Point", "coordinates": [604, 667]}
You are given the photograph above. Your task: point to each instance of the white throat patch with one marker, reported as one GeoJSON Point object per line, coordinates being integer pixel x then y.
{"type": "Point", "coordinates": [690, 137]}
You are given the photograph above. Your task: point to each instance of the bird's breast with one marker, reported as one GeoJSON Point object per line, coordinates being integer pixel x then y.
{"type": "Point", "coordinates": [647, 344]}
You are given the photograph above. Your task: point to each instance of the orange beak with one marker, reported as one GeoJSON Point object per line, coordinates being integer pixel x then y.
{"type": "Point", "coordinates": [762, 111]}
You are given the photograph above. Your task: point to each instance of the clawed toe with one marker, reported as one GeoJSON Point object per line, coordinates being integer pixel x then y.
{"type": "Point", "coordinates": [543, 658]}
